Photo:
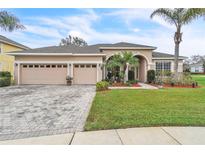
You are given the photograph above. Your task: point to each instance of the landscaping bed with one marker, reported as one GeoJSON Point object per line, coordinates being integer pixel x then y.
{"type": "Point", "coordinates": [124, 85]}
{"type": "Point", "coordinates": [175, 86]}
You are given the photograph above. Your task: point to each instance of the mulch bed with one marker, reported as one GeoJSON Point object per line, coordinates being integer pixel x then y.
{"type": "Point", "coordinates": [125, 85]}
{"type": "Point", "coordinates": [175, 86]}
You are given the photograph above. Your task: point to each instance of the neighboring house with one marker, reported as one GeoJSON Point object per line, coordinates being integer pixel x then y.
{"type": "Point", "coordinates": [7, 61]}
{"type": "Point", "coordinates": [197, 68]}
{"type": "Point", "coordinates": [51, 65]}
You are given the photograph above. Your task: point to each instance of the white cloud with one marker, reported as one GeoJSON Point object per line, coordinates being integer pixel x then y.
{"type": "Point", "coordinates": [44, 31]}
{"type": "Point", "coordinates": [136, 30]}
{"type": "Point", "coordinates": [131, 15]}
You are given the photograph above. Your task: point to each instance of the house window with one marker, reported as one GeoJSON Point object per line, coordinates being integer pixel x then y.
{"type": "Point", "coordinates": [163, 66]}
{"type": "Point", "coordinates": [197, 69]}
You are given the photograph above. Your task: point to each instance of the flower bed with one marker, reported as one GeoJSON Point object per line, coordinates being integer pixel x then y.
{"type": "Point", "coordinates": [180, 86]}
{"type": "Point", "coordinates": [121, 84]}
{"type": "Point", "coordinates": [175, 86]}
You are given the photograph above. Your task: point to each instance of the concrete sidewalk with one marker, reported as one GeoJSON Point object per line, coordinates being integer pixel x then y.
{"type": "Point", "coordinates": [136, 136]}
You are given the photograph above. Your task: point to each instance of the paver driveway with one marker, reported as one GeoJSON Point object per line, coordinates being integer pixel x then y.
{"type": "Point", "coordinates": [37, 110]}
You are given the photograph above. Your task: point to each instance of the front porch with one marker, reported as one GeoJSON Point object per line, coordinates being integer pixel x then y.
{"type": "Point", "coordinates": [138, 73]}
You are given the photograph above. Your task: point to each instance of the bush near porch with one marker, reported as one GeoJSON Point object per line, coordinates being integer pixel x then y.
{"type": "Point", "coordinates": [166, 78]}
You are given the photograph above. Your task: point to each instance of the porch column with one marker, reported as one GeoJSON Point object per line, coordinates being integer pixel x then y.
{"type": "Point", "coordinates": [68, 69]}
{"type": "Point", "coordinates": [97, 71]}
{"type": "Point", "coordinates": [104, 73]}
{"type": "Point", "coordinates": [126, 72]}
{"type": "Point", "coordinates": [71, 70]}
{"type": "Point", "coordinates": [18, 82]}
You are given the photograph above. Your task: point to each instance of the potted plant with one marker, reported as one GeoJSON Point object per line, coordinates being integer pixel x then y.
{"type": "Point", "coordinates": [69, 80]}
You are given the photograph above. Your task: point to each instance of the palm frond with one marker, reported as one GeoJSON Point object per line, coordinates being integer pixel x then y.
{"type": "Point", "coordinates": [167, 14]}
{"type": "Point", "coordinates": [192, 14]}
{"type": "Point", "coordinates": [9, 22]}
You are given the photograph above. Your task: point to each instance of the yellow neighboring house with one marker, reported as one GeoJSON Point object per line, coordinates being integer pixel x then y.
{"type": "Point", "coordinates": [7, 45]}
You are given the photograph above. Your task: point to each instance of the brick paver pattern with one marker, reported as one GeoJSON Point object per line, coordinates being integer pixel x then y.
{"type": "Point", "coordinates": [38, 110]}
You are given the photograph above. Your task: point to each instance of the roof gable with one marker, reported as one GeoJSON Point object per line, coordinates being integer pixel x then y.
{"type": "Point", "coordinates": [164, 55]}
{"type": "Point", "coordinates": [11, 42]}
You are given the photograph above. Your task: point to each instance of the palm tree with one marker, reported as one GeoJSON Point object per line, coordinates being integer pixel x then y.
{"type": "Point", "coordinates": [122, 61]}
{"type": "Point", "coordinates": [9, 22]}
{"type": "Point", "coordinates": [178, 17]}
{"type": "Point", "coordinates": [113, 64]}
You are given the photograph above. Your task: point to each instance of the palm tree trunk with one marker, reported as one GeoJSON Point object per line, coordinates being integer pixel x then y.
{"type": "Point", "coordinates": [176, 58]}
{"type": "Point", "coordinates": [177, 40]}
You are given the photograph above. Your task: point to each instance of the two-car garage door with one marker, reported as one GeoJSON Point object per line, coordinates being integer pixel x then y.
{"type": "Point", "coordinates": [56, 74]}
{"type": "Point", "coordinates": [43, 74]}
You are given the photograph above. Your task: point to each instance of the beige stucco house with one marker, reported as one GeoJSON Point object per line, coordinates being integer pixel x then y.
{"type": "Point", "coordinates": [51, 65]}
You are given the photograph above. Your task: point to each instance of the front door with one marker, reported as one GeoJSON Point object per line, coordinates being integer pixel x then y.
{"type": "Point", "coordinates": [133, 73]}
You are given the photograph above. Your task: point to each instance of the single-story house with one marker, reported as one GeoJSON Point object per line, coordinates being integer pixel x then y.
{"type": "Point", "coordinates": [197, 67]}
{"type": "Point", "coordinates": [51, 65]}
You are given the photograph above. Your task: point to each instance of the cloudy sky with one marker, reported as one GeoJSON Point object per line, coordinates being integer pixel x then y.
{"type": "Point", "coordinates": [46, 27]}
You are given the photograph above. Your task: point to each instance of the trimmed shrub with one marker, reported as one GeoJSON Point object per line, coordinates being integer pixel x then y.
{"type": "Point", "coordinates": [5, 79]}
{"type": "Point", "coordinates": [5, 74]}
{"type": "Point", "coordinates": [102, 85]}
{"type": "Point", "coordinates": [130, 82]}
{"type": "Point", "coordinates": [150, 76]}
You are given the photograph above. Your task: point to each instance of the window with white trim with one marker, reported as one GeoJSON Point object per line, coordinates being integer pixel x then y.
{"type": "Point", "coordinates": [163, 66]}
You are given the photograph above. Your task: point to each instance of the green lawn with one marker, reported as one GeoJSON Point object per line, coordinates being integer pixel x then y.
{"type": "Point", "coordinates": [200, 79]}
{"type": "Point", "coordinates": [133, 108]}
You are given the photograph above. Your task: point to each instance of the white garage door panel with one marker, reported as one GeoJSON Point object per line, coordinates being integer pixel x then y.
{"type": "Point", "coordinates": [43, 75]}
{"type": "Point", "coordinates": [85, 75]}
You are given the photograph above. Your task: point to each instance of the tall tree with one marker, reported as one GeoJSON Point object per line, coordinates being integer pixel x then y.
{"type": "Point", "coordinates": [71, 40]}
{"type": "Point", "coordinates": [9, 22]}
{"type": "Point", "coordinates": [178, 17]}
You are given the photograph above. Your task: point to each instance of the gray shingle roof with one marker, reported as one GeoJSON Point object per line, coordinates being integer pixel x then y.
{"type": "Point", "coordinates": [164, 55]}
{"type": "Point", "coordinates": [64, 49]}
{"type": "Point", "coordinates": [9, 41]}
{"type": "Point", "coordinates": [91, 49]}
{"type": "Point", "coordinates": [123, 44]}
